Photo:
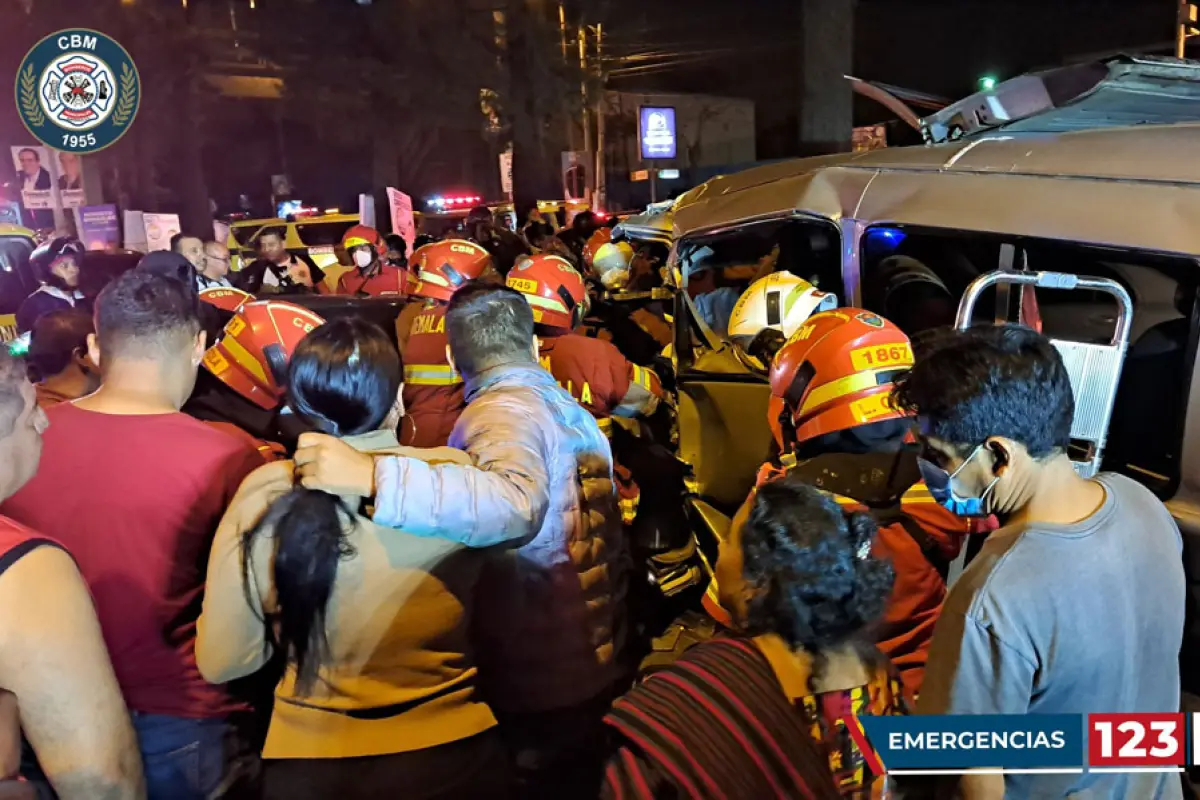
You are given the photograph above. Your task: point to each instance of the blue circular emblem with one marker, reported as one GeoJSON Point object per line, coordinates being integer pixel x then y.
{"type": "Point", "coordinates": [78, 90]}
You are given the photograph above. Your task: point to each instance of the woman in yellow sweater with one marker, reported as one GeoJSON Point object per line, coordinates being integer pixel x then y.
{"type": "Point", "coordinates": [380, 693]}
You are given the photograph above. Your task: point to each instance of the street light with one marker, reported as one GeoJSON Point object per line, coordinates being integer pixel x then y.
{"type": "Point", "coordinates": [987, 83]}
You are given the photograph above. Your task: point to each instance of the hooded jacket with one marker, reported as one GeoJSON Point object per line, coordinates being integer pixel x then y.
{"type": "Point", "coordinates": [541, 484]}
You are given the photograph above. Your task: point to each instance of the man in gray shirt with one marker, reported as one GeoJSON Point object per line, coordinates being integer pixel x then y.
{"type": "Point", "coordinates": [1076, 605]}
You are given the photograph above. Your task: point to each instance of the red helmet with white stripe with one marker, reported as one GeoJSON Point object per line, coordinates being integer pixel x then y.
{"type": "Point", "coordinates": [440, 269]}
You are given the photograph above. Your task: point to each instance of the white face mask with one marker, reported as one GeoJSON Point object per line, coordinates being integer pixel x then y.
{"type": "Point", "coordinates": [362, 258]}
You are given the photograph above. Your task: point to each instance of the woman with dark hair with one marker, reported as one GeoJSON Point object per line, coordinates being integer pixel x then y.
{"type": "Point", "coordinates": [772, 711]}
{"type": "Point", "coordinates": [380, 686]}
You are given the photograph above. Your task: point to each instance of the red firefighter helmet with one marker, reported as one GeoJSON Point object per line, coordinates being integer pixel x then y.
{"type": "Point", "coordinates": [601, 237]}
{"type": "Point", "coordinates": [553, 288]}
{"type": "Point", "coordinates": [363, 234]}
{"type": "Point", "coordinates": [443, 267]}
{"type": "Point", "coordinates": [252, 355]}
{"type": "Point", "coordinates": [834, 373]}
{"type": "Point", "coordinates": [226, 298]}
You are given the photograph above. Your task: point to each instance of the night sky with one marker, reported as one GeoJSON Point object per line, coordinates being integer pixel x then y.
{"type": "Point", "coordinates": [744, 47]}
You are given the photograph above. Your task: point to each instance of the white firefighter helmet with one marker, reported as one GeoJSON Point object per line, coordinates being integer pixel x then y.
{"type": "Point", "coordinates": [770, 311]}
{"type": "Point", "coordinates": [612, 264]}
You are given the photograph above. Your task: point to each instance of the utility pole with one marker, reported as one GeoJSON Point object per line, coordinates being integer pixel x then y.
{"type": "Point", "coordinates": [583, 92]}
{"type": "Point", "coordinates": [1186, 26]}
{"type": "Point", "coordinates": [562, 40]}
{"type": "Point", "coordinates": [600, 200]}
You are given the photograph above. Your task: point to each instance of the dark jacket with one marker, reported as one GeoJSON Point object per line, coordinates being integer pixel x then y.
{"type": "Point", "coordinates": [43, 301]}
{"type": "Point", "coordinates": [252, 277]}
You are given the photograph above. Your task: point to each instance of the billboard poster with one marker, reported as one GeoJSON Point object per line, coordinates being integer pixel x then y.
{"type": "Point", "coordinates": [159, 230]}
{"type": "Point", "coordinates": [70, 179]}
{"type": "Point", "coordinates": [10, 212]}
{"type": "Point", "coordinates": [403, 222]}
{"type": "Point", "coordinates": [99, 227]}
{"type": "Point", "coordinates": [656, 131]}
{"type": "Point", "coordinates": [32, 171]}
{"type": "Point", "coordinates": [506, 175]}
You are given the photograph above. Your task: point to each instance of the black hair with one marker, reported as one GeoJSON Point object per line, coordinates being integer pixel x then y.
{"type": "Point", "coordinates": [56, 338]}
{"type": "Point", "coordinates": [992, 380]}
{"type": "Point", "coordinates": [12, 399]}
{"type": "Point", "coordinates": [342, 380]}
{"type": "Point", "coordinates": [274, 231]}
{"type": "Point", "coordinates": [816, 584]}
{"type": "Point", "coordinates": [170, 264]}
{"type": "Point", "coordinates": [487, 326]}
{"type": "Point", "coordinates": [37, 157]}
{"type": "Point", "coordinates": [395, 241]}
{"type": "Point", "coordinates": [583, 219]}
{"type": "Point", "coordinates": [423, 240]}
{"type": "Point", "coordinates": [145, 315]}
{"type": "Point", "coordinates": [176, 239]}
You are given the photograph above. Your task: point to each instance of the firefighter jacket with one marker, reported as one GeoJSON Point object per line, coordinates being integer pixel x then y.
{"type": "Point", "coordinates": [596, 374]}
{"type": "Point", "coordinates": [433, 391]}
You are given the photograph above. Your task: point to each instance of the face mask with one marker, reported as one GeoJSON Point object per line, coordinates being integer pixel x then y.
{"type": "Point", "coordinates": [941, 485]}
{"type": "Point", "coordinates": [362, 258]}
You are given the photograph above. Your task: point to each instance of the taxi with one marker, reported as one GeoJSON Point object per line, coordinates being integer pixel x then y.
{"type": "Point", "coordinates": [319, 237]}
{"type": "Point", "coordinates": [16, 277]}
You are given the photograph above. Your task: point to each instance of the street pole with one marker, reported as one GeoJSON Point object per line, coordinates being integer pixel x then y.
{"type": "Point", "coordinates": [601, 165]}
{"type": "Point", "coordinates": [1180, 29]}
{"type": "Point", "coordinates": [562, 39]}
{"type": "Point", "coordinates": [583, 67]}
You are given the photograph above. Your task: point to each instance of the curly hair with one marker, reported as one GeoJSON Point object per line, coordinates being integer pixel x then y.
{"type": "Point", "coordinates": [816, 583]}
{"type": "Point", "coordinates": [991, 380]}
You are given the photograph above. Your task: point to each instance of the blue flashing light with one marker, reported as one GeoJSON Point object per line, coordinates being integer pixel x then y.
{"type": "Point", "coordinates": [889, 237]}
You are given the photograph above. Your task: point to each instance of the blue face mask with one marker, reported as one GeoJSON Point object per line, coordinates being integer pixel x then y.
{"type": "Point", "coordinates": [941, 485]}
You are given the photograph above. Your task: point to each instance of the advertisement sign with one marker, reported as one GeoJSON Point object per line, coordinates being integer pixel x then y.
{"type": "Point", "coordinates": [10, 213]}
{"type": "Point", "coordinates": [506, 180]}
{"type": "Point", "coordinates": [33, 179]}
{"type": "Point", "coordinates": [403, 222]}
{"type": "Point", "coordinates": [70, 179]}
{"type": "Point", "coordinates": [99, 227]}
{"type": "Point", "coordinates": [159, 230]}
{"type": "Point", "coordinates": [656, 131]}
{"type": "Point", "coordinates": [134, 230]}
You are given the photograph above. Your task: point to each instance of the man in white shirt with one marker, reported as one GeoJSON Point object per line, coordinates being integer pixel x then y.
{"type": "Point", "coordinates": [213, 272]}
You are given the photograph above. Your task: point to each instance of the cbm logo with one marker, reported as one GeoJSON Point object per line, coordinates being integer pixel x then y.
{"type": "Point", "coordinates": [78, 90]}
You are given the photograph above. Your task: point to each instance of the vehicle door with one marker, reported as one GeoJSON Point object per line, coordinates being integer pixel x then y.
{"type": "Point", "coordinates": [723, 434]}
{"type": "Point", "coordinates": [16, 280]}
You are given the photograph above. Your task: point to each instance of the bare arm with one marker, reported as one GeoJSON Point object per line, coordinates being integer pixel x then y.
{"type": "Point", "coordinates": [53, 658]}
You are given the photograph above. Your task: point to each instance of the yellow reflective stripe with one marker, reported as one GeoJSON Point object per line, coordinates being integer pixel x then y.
{"type": "Point", "coordinates": [606, 425]}
{"type": "Point", "coordinates": [432, 277]}
{"type": "Point", "coordinates": [247, 361]}
{"type": "Point", "coordinates": [431, 375]}
{"type": "Point", "coordinates": [840, 388]}
{"type": "Point", "coordinates": [641, 376]}
{"type": "Point", "coordinates": [545, 302]}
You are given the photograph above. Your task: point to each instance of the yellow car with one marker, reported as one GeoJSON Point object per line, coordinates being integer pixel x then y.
{"type": "Point", "coordinates": [16, 278]}
{"type": "Point", "coordinates": [318, 237]}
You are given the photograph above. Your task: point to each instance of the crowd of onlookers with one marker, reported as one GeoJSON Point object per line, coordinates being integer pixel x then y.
{"type": "Point", "coordinates": [367, 619]}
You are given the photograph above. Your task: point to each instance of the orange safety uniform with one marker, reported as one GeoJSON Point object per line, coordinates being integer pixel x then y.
{"type": "Point", "coordinates": [596, 374]}
{"type": "Point", "coordinates": [433, 391]}
{"type": "Point", "coordinates": [834, 374]}
{"type": "Point", "coordinates": [388, 281]}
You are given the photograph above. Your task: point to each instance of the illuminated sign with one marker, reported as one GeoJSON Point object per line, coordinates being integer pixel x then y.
{"type": "Point", "coordinates": [669, 174]}
{"type": "Point", "coordinates": [656, 131]}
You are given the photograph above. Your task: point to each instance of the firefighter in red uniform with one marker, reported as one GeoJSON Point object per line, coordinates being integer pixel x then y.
{"type": "Point", "coordinates": [240, 388]}
{"type": "Point", "coordinates": [433, 391]}
{"type": "Point", "coordinates": [371, 276]}
{"type": "Point", "coordinates": [836, 428]}
{"type": "Point", "coordinates": [591, 370]}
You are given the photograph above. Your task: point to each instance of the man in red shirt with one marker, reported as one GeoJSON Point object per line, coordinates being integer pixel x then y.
{"type": "Point", "coordinates": [53, 664]}
{"type": "Point", "coordinates": [371, 276]}
{"type": "Point", "coordinates": [135, 490]}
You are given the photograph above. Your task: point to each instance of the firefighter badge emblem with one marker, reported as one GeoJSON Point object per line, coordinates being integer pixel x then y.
{"type": "Point", "coordinates": [78, 91]}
